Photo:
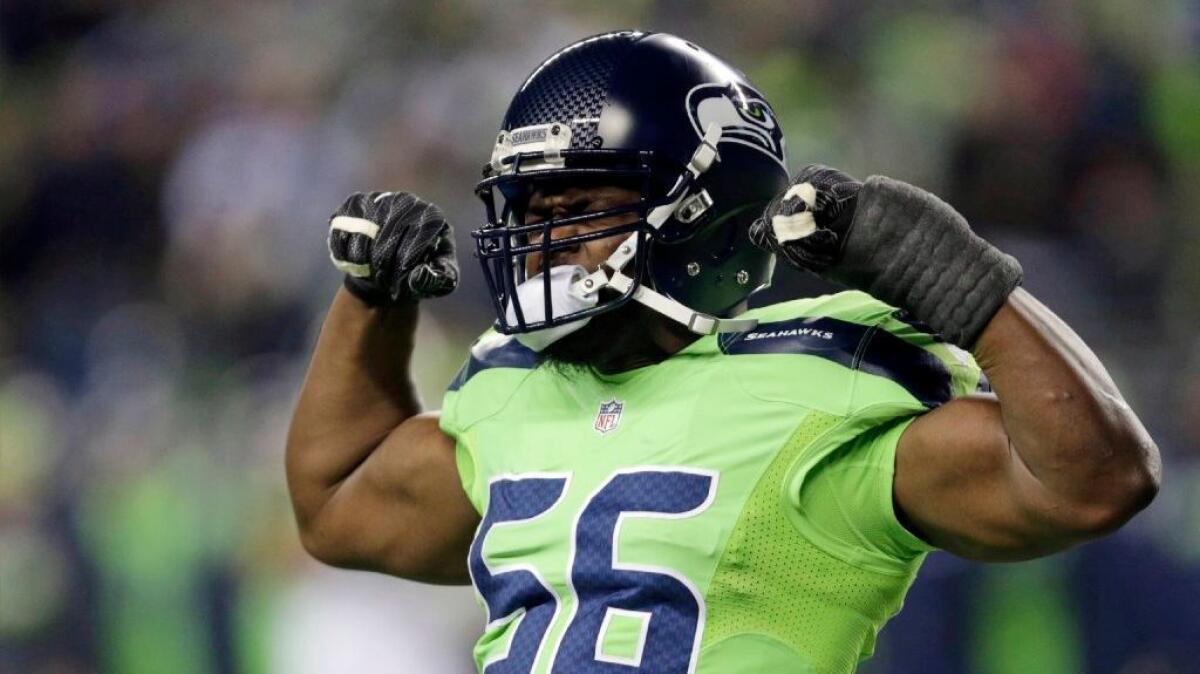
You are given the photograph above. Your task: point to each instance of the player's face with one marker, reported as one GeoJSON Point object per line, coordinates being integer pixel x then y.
{"type": "Point", "coordinates": [607, 340]}
{"type": "Point", "coordinates": [561, 202]}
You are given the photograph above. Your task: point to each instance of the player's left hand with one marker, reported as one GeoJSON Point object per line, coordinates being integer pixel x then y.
{"type": "Point", "coordinates": [808, 223]}
{"type": "Point", "coordinates": [897, 242]}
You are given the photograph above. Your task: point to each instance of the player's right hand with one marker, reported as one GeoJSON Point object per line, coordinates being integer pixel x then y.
{"type": "Point", "coordinates": [394, 247]}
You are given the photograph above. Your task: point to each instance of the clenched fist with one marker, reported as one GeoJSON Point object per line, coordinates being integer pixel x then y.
{"type": "Point", "coordinates": [895, 241]}
{"type": "Point", "coordinates": [809, 222]}
{"type": "Point", "coordinates": [394, 247]}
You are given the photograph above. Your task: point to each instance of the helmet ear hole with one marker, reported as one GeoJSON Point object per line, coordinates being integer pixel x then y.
{"type": "Point", "coordinates": [713, 269]}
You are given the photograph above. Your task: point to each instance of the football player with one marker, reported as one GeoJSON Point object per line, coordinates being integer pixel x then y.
{"type": "Point", "coordinates": [639, 474]}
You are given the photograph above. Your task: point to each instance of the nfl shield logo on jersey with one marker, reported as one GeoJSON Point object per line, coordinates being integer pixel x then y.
{"type": "Point", "coordinates": [609, 416]}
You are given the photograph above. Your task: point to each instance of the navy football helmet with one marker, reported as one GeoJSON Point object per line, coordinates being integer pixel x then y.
{"type": "Point", "coordinates": [658, 112]}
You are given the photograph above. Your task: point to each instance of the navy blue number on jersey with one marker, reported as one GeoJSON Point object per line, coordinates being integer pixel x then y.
{"type": "Point", "coordinates": [670, 607]}
{"type": "Point", "coordinates": [509, 594]}
{"type": "Point", "coordinates": [669, 603]}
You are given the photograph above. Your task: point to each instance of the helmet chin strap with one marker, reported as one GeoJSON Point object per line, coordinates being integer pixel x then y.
{"type": "Point", "coordinates": [609, 275]}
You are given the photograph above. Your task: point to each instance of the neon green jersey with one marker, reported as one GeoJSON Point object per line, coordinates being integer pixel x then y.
{"type": "Point", "coordinates": [726, 510]}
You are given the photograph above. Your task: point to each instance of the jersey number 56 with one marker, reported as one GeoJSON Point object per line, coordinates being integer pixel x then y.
{"type": "Point", "coordinates": [669, 606]}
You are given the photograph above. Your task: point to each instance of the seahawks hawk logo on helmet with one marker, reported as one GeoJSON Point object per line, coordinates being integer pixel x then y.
{"type": "Point", "coordinates": [743, 115]}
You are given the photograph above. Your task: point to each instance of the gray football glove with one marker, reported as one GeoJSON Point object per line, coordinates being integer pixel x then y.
{"type": "Point", "coordinates": [897, 242]}
{"type": "Point", "coordinates": [394, 247]}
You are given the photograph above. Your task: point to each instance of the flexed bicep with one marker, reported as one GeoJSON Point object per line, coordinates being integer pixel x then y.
{"type": "Point", "coordinates": [960, 486]}
{"type": "Point", "coordinates": [403, 511]}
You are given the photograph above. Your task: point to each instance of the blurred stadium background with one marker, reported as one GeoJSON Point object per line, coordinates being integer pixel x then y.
{"type": "Point", "coordinates": [166, 172]}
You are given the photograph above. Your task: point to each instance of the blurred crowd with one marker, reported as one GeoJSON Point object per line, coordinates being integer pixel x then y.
{"type": "Point", "coordinates": [167, 169]}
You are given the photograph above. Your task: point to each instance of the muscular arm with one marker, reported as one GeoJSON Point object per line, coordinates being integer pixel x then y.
{"type": "Point", "coordinates": [1055, 459]}
{"type": "Point", "coordinates": [373, 482]}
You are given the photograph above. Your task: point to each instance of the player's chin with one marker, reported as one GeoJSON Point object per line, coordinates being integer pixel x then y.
{"type": "Point", "coordinates": [599, 342]}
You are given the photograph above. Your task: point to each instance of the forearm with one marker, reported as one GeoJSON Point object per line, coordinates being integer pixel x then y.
{"type": "Point", "coordinates": [1065, 418]}
{"type": "Point", "coordinates": [358, 389]}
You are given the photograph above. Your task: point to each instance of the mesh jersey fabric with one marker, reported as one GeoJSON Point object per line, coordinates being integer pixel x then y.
{"type": "Point", "coordinates": [796, 560]}
{"type": "Point", "coordinates": [846, 502]}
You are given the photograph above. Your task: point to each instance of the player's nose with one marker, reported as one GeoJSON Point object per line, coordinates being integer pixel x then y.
{"type": "Point", "coordinates": [569, 254]}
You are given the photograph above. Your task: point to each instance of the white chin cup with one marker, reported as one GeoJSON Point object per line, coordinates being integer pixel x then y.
{"type": "Point", "coordinates": [564, 299]}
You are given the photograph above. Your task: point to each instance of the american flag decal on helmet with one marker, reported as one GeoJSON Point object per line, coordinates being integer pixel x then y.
{"type": "Point", "coordinates": [609, 416]}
